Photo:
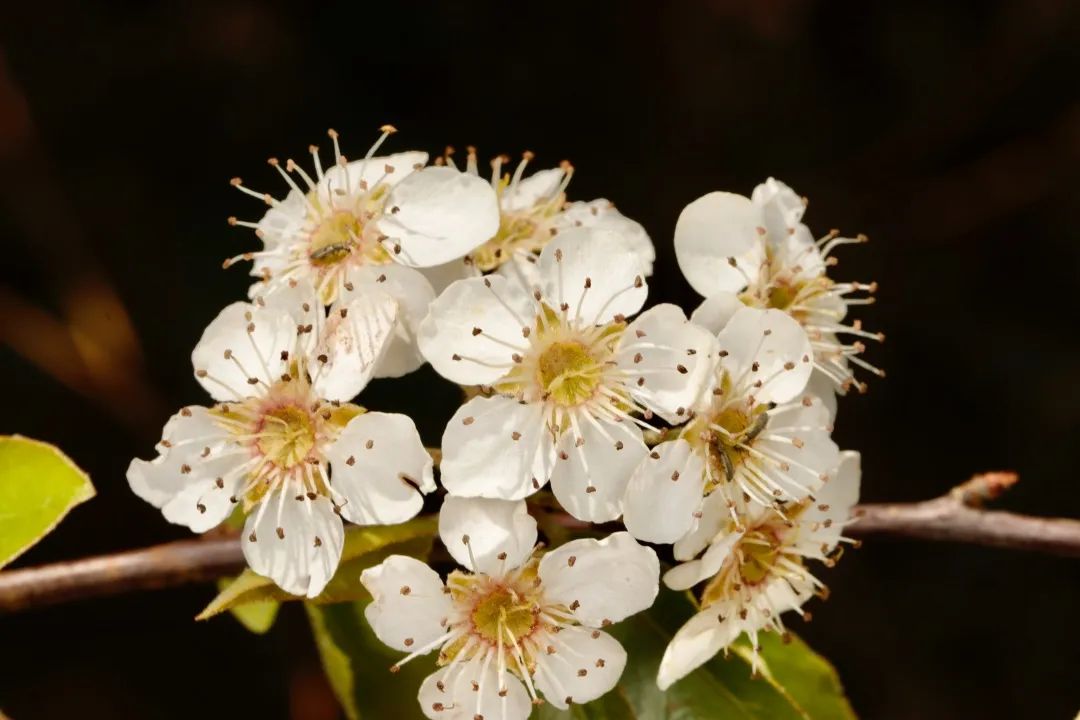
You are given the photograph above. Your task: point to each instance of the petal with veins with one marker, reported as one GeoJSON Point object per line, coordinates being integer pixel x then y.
{"type": "Point", "coordinates": [295, 541]}
{"type": "Point", "coordinates": [675, 357]}
{"type": "Point", "coordinates": [601, 214]}
{"type": "Point", "coordinates": [408, 603]}
{"type": "Point", "coordinates": [689, 574]}
{"type": "Point", "coordinates": [183, 480]}
{"type": "Point", "coordinates": [664, 493]}
{"type": "Point", "coordinates": [501, 533]}
{"type": "Point", "coordinates": [438, 214]}
{"type": "Point", "coordinates": [365, 174]}
{"type": "Point", "coordinates": [590, 271]}
{"type": "Point", "coordinates": [714, 516]}
{"type": "Point", "coordinates": [380, 467]}
{"type": "Point", "coordinates": [585, 665]}
{"type": "Point", "coordinates": [601, 580]}
{"type": "Point", "coordinates": [496, 448]}
{"type": "Point", "coordinates": [354, 338]}
{"type": "Point", "coordinates": [414, 296]}
{"type": "Point", "coordinates": [766, 346]}
{"type": "Point", "coordinates": [823, 521]}
{"type": "Point", "coordinates": [695, 644]}
{"type": "Point", "coordinates": [590, 475]}
{"type": "Point", "coordinates": [474, 329]}
{"type": "Point", "coordinates": [241, 349]}
{"type": "Point", "coordinates": [474, 689]}
{"type": "Point", "coordinates": [539, 186]}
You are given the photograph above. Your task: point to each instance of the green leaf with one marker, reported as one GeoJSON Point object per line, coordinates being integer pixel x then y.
{"type": "Point", "coordinates": [258, 617]}
{"type": "Point", "coordinates": [39, 485]}
{"type": "Point", "coordinates": [796, 684]}
{"type": "Point", "coordinates": [357, 665]}
{"type": "Point", "coordinates": [364, 547]}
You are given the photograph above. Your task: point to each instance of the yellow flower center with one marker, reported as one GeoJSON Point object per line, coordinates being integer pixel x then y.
{"type": "Point", "coordinates": [723, 432]}
{"type": "Point", "coordinates": [751, 563]}
{"type": "Point", "coordinates": [287, 435]}
{"type": "Point", "coordinates": [287, 432]}
{"type": "Point", "coordinates": [338, 236]}
{"type": "Point", "coordinates": [568, 372]}
{"type": "Point", "coordinates": [503, 611]}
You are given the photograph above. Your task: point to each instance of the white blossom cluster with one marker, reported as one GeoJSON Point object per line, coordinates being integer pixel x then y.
{"type": "Point", "coordinates": [709, 434]}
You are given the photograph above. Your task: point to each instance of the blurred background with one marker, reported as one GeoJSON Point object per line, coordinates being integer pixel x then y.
{"type": "Point", "coordinates": [947, 132]}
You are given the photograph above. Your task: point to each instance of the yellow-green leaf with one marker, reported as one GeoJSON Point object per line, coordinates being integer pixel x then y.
{"type": "Point", "coordinates": [797, 683]}
{"type": "Point", "coordinates": [364, 547]}
{"type": "Point", "coordinates": [258, 617]}
{"type": "Point", "coordinates": [39, 485]}
{"type": "Point", "coordinates": [357, 665]}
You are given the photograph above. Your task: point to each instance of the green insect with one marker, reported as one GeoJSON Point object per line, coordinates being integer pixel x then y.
{"type": "Point", "coordinates": [337, 249]}
{"type": "Point", "coordinates": [755, 429]}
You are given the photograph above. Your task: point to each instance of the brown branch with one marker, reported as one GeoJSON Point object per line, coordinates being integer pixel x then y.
{"type": "Point", "coordinates": [956, 517]}
{"type": "Point", "coordinates": [161, 566]}
{"type": "Point", "coordinates": [959, 517]}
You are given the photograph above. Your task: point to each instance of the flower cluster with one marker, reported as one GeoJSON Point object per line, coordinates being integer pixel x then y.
{"type": "Point", "coordinates": [711, 434]}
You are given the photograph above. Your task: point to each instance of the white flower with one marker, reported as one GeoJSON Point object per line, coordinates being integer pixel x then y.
{"type": "Point", "coordinates": [758, 249]}
{"type": "Point", "coordinates": [283, 443]}
{"type": "Point", "coordinates": [532, 210]}
{"type": "Point", "coordinates": [756, 570]}
{"type": "Point", "coordinates": [519, 624]}
{"type": "Point", "coordinates": [367, 223]}
{"type": "Point", "coordinates": [755, 434]}
{"type": "Point", "coordinates": [567, 375]}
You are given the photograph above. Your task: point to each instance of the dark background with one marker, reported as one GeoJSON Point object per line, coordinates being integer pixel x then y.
{"type": "Point", "coordinates": [948, 132]}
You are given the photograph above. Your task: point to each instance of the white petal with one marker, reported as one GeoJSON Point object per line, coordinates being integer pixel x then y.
{"type": "Point", "coordinates": [712, 230]}
{"type": "Point", "coordinates": [243, 344]}
{"type": "Point", "coordinates": [674, 357]}
{"type": "Point", "coordinates": [352, 340]}
{"type": "Point", "coordinates": [441, 276]}
{"type": "Point", "coordinates": [585, 665]}
{"type": "Point", "coordinates": [439, 214]}
{"type": "Point", "coordinates": [448, 694]}
{"type": "Point", "coordinates": [601, 214]}
{"type": "Point", "coordinates": [408, 603]}
{"type": "Point", "coordinates": [798, 435]}
{"type": "Point", "coordinates": [664, 493]}
{"type": "Point", "coordinates": [294, 541]}
{"type": "Point", "coordinates": [496, 448]}
{"type": "Point", "coordinates": [714, 516]}
{"type": "Point", "coordinates": [363, 175]}
{"type": "Point", "coordinates": [821, 386]}
{"type": "Point", "coordinates": [492, 305]}
{"type": "Point", "coordinates": [715, 311]}
{"type": "Point", "coordinates": [823, 521]}
{"type": "Point", "coordinates": [521, 270]}
{"type": "Point", "coordinates": [767, 346]}
{"type": "Point", "coordinates": [590, 475]}
{"type": "Point", "coordinates": [597, 259]}
{"type": "Point", "coordinates": [298, 300]}
{"type": "Point", "coordinates": [781, 208]}
{"type": "Point", "coordinates": [689, 574]}
{"type": "Point", "coordinates": [798, 252]}
{"type": "Point", "coordinates": [696, 642]}
{"type": "Point", "coordinates": [381, 468]}
{"type": "Point", "coordinates": [493, 528]}
{"type": "Point", "coordinates": [414, 295]}
{"type": "Point", "coordinates": [282, 221]}
{"type": "Point", "coordinates": [183, 481]}
{"type": "Point", "coordinates": [608, 579]}
{"type": "Point", "coordinates": [540, 186]}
